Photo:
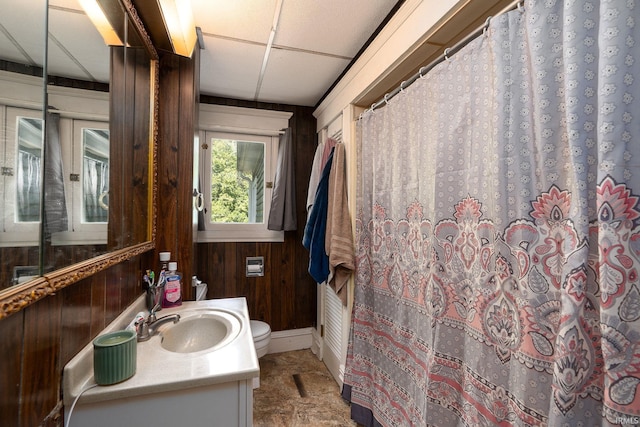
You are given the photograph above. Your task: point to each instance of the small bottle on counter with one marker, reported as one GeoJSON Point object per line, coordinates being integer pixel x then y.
{"type": "Point", "coordinates": [172, 287]}
{"type": "Point", "coordinates": [165, 257]}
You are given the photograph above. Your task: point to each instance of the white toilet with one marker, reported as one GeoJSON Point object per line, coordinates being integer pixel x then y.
{"type": "Point", "coordinates": [261, 332]}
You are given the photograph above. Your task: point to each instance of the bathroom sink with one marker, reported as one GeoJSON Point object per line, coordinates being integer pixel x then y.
{"type": "Point", "coordinates": [206, 361]}
{"type": "Point", "coordinates": [200, 330]}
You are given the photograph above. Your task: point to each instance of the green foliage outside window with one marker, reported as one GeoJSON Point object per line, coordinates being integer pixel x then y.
{"type": "Point", "coordinates": [229, 191]}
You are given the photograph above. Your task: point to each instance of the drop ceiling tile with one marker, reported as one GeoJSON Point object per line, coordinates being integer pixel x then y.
{"type": "Point", "coordinates": [68, 4]}
{"type": "Point", "coordinates": [8, 51]}
{"type": "Point", "coordinates": [300, 78]}
{"type": "Point", "coordinates": [230, 68]}
{"type": "Point", "coordinates": [87, 57]}
{"type": "Point", "coordinates": [335, 27]}
{"type": "Point", "coordinates": [30, 36]}
{"type": "Point", "coordinates": [238, 19]}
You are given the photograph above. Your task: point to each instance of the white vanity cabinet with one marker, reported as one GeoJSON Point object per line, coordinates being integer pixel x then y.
{"type": "Point", "coordinates": [203, 388]}
{"type": "Point", "coordinates": [218, 405]}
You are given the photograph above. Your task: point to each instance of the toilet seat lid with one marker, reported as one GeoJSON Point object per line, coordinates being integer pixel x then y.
{"type": "Point", "coordinates": [259, 329]}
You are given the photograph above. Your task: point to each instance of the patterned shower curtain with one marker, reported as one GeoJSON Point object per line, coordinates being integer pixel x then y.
{"type": "Point", "coordinates": [498, 230]}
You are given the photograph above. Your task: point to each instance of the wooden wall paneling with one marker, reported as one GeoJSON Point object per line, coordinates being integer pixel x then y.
{"type": "Point", "coordinates": [98, 285]}
{"type": "Point", "coordinates": [17, 256]}
{"type": "Point", "coordinates": [166, 239]}
{"type": "Point", "coordinates": [175, 227]}
{"type": "Point", "coordinates": [75, 320]}
{"type": "Point", "coordinates": [141, 141]}
{"type": "Point", "coordinates": [276, 283]}
{"type": "Point", "coordinates": [230, 260]}
{"type": "Point", "coordinates": [244, 286]}
{"type": "Point", "coordinates": [285, 289]}
{"type": "Point", "coordinates": [11, 343]}
{"type": "Point", "coordinates": [211, 270]}
{"type": "Point", "coordinates": [207, 263]}
{"type": "Point", "coordinates": [186, 134]}
{"type": "Point", "coordinates": [42, 370]}
{"type": "Point", "coordinates": [262, 285]}
{"type": "Point", "coordinates": [125, 165]}
{"type": "Point", "coordinates": [129, 115]}
{"type": "Point", "coordinates": [117, 121]}
{"type": "Point", "coordinates": [129, 282]}
{"type": "Point", "coordinates": [305, 286]}
{"type": "Point", "coordinates": [113, 291]}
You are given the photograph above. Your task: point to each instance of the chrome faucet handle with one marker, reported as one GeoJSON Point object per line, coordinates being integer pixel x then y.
{"type": "Point", "coordinates": [146, 328]}
{"type": "Point", "coordinates": [142, 328]}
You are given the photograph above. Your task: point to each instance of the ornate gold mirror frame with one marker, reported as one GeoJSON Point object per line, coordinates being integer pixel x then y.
{"type": "Point", "coordinates": [18, 297]}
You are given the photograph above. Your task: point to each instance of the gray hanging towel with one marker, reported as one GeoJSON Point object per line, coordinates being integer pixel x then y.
{"type": "Point", "coordinates": [282, 215]}
{"type": "Point", "coordinates": [55, 205]}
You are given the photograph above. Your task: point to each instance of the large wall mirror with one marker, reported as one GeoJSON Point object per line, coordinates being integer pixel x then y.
{"type": "Point", "coordinates": [77, 123]}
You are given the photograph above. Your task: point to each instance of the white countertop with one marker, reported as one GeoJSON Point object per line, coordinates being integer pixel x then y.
{"type": "Point", "coordinates": [159, 370]}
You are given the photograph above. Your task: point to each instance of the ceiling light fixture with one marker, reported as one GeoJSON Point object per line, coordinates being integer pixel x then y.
{"type": "Point", "coordinates": [178, 19]}
{"type": "Point", "coordinates": [99, 18]}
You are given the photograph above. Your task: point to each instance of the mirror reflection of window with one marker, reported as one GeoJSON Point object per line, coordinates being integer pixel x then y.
{"type": "Point", "coordinates": [95, 175]}
{"type": "Point", "coordinates": [29, 164]}
{"type": "Point", "coordinates": [237, 181]}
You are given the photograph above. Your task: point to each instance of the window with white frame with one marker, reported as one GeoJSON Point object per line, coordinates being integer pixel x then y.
{"type": "Point", "coordinates": [86, 157]}
{"type": "Point", "coordinates": [21, 176]}
{"type": "Point", "coordinates": [239, 170]}
{"type": "Point", "coordinates": [85, 147]}
{"type": "Point", "coordinates": [238, 159]}
{"type": "Point", "coordinates": [83, 130]}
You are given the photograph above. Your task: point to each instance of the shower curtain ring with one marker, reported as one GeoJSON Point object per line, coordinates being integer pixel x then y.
{"type": "Point", "coordinates": [446, 53]}
{"type": "Point", "coordinates": [386, 98]}
{"type": "Point", "coordinates": [521, 6]}
{"type": "Point", "coordinates": [420, 72]}
{"type": "Point", "coordinates": [402, 86]}
{"type": "Point", "coordinates": [373, 107]}
{"type": "Point", "coordinates": [486, 26]}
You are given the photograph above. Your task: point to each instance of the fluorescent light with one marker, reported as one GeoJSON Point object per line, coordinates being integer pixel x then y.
{"type": "Point", "coordinates": [100, 21]}
{"type": "Point", "coordinates": [178, 19]}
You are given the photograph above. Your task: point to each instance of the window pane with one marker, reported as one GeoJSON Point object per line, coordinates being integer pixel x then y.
{"type": "Point", "coordinates": [95, 175]}
{"type": "Point", "coordinates": [237, 181]}
{"type": "Point", "coordinates": [28, 169]}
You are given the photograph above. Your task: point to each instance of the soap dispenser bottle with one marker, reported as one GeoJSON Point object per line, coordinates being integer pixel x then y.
{"type": "Point", "coordinates": [172, 287]}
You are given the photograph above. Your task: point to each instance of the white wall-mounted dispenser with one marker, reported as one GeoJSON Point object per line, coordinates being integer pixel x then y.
{"type": "Point", "coordinates": [255, 266]}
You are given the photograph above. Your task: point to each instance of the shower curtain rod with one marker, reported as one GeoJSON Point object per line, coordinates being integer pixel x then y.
{"type": "Point", "coordinates": [445, 56]}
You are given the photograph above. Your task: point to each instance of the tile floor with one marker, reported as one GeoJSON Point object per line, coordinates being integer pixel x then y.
{"type": "Point", "coordinates": [296, 389]}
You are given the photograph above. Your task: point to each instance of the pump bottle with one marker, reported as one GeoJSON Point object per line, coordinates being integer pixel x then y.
{"type": "Point", "coordinates": [172, 287]}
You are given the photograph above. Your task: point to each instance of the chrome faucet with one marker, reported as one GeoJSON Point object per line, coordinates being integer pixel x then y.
{"type": "Point", "coordinates": [148, 327]}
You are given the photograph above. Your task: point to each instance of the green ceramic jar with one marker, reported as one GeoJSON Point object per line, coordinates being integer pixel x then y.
{"type": "Point", "coordinates": [114, 357]}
